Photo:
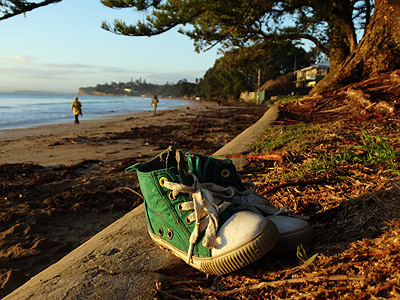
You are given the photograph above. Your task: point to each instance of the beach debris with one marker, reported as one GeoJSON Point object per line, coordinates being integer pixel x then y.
{"type": "Point", "coordinates": [359, 96]}
{"type": "Point", "coordinates": [55, 144]}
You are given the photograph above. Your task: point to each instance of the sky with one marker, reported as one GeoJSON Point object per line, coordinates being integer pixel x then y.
{"type": "Point", "coordinates": [61, 47]}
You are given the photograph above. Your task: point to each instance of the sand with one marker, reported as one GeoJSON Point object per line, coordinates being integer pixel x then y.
{"type": "Point", "coordinates": [69, 143]}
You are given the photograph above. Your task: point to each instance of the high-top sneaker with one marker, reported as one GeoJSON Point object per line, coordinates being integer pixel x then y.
{"type": "Point", "coordinates": [199, 222]}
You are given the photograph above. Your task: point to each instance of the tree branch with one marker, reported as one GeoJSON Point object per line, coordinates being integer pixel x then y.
{"type": "Point", "coordinates": [25, 8]}
{"type": "Point", "coordinates": [233, 27]}
{"type": "Point", "coordinates": [306, 36]}
{"type": "Point", "coordinates": [121, 28]}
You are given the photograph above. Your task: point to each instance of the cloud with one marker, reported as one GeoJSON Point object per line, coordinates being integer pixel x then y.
{"type": "Point", "coordinates": [26, 60]}
{"type": "Point", "coordinates": [29, 67]}
{"type": "Point", "coordinates": [28, 71]}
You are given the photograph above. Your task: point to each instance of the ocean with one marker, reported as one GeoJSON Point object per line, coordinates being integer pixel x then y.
{"type": "Point", "coordinates": [19, 110]}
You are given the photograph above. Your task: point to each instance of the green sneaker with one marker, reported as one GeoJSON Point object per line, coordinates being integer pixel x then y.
{"type": "Point", "coordinates": [293, 229]}
{"type": "Point", "coordinates": [199, 222]}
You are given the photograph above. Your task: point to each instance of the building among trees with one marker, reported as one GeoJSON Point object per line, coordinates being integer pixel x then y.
{"type": "Point", "coordinates": [309, 76]}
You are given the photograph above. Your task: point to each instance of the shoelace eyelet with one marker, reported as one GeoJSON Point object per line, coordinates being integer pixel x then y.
{"type": "Point", "coordinates": [225, 173]}
{"type": "Point", "coordinates": [188, 221]}
{"type": "Point", "coordinates": [160, 231]}
{"type": "Point", "coordinates": [161, 181]}
{"type": "Point", "coordinates": [170, 234]}
{"type": "Point", "coordinates": [171, 196]}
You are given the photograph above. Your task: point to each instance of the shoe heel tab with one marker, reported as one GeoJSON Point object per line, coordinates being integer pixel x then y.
{"type": "Point", "coordinates": [134, 167]}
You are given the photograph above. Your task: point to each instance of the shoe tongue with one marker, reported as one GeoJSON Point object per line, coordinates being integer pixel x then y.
{"type": "Point", "coordinates": [182, 169]}
{"type": "Point", "coordinates": [219, 170]}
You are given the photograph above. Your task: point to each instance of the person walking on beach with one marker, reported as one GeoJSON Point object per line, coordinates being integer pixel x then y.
{"type": "Point", "coordinates": [76, 107]}
{"type": "Point", "coordinates": [154, 103]}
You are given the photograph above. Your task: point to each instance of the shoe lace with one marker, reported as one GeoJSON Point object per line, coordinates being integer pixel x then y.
{"type": "Point", "coordinates": [208, 201]}
{"type": "Point", "coordinates": [206, 206]}
{"type": "Point", "coordinates": [249, 199]}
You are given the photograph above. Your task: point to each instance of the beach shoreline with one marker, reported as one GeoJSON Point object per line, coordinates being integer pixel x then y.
{"type": "Point", "coordinates": [33, 110]}
{"type": "Point", "coordinates": [54, 144]}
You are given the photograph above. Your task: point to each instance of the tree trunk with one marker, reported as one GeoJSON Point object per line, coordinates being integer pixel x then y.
{"type": "Point", "coordinates": [339, 48]}
{"type": "Point", "coordinates": [378, 50]}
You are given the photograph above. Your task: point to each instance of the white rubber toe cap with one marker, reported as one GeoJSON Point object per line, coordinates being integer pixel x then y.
{"type": "Point", "coordinates": [238, 230]}
{"type": "Point", "coordinates": [292, 232]}
{"type": "Point", "coordinates": [288, 225]}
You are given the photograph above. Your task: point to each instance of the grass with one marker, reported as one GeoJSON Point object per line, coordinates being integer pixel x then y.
{"type": "Point", "coordinates": [277, 137]}
{"type": "Point", "coordinates": [309, 151]}
{"type": "Point", "coordinates": [377, 150]}
{"type": "Point", "coordinates": [282, 99]}
{"type": "Point", "coordinates": [302, 255]}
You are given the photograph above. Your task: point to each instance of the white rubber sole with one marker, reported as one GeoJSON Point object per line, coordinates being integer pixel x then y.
{"type": "Point", "coordinates": [238, 258]}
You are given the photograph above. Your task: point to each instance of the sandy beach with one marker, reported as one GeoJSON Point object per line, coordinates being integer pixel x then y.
{"type": "Point", "coordinates": [56, 144]}
{"type": "Point", "coordinates": [63, 183]}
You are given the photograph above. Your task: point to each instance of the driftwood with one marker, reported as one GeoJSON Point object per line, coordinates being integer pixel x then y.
{"type": "Point", "coordinates": [363, 99]}
{"type": "Point", "coordinates": [385, 107]}
{"type": "Point", "coordinates": [395, 77]}
{"type": "Point", "coordinates": [360, 97]}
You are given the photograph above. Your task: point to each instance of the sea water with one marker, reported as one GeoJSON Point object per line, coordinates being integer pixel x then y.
{"type": "Point", "coordinates": [19, 110]}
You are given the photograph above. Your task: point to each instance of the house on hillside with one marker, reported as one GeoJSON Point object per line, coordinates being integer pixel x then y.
{"type": "Point", "coordinates": [299, 83]}
{"type": "Point", "coordinates": [309, 76]}
{"type": "Point", "coordinates": [282, 85]}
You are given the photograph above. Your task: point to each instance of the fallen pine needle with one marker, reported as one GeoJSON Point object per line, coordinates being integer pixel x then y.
{"type": "Point", "coordinates": [276, 283]}
{"type": "Point", "coordinates": [133, 191]}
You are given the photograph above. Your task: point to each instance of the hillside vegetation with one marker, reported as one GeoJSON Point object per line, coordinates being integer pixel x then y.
{"type": "Point", "coordinates": [140, 87]}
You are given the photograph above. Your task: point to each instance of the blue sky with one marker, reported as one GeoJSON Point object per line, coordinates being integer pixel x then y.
{"type": "Point", "coordinates": [61, 47]}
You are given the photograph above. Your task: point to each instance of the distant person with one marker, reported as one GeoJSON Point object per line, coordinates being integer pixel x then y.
{"type": "Point", "coordinates": [154, 103]}
{"type": "Point", "coordinates": [76, 107]}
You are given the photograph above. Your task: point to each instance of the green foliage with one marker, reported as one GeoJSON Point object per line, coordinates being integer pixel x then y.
{"type": "Point", "coordinates": [238, 69]}
{"type": "Point", "coordinates": [313, 166]}
{"type": "Point", "coordinates": [375, 150]}
{"type": "Point", "coordinates": [285, 99]}
{"type": "Point", "coordinates": [299, 138]}
{"type": "Point", "coordinates": [218, 83]}
{"type": "Point", "coordinates": [140, 87]}
{"type": "Point", "coordinates": [237, 24]}
{"type": "Point", "coordinates": [293, 137]}
{"type": "Point", "coordinates": [302, 255]}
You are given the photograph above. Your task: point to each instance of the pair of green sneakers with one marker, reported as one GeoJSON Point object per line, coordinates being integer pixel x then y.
{"type": "Point", "coordinates": [197, 207]}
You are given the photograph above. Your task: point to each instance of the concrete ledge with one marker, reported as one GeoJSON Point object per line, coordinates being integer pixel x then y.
{"type": "Point", "coordinates": [120, 262]}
